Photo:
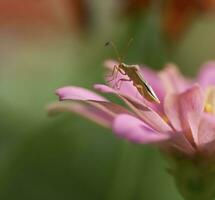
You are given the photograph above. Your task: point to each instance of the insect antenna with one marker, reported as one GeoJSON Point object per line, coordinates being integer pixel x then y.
{"type": "Point", "coordinates": [127, 47]}
{"type": "Point", "coordinates": [116, 68]}
{"type": "Point", "coordinates": [115, 50]}
{"type": "Point", "coordinates": [119, 57]}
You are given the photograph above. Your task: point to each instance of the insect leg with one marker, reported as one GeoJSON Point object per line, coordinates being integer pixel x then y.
{"type": "Point", "coordinates": [118, 84]}
{"type": "Point", "coordinates": [113, 74]}
{"type": "Point", "coordinates": [140, 90]}
{"type": "Point", "coordinates": [121, 72]}
{"type": "Point", "coordinates": [113, 71]}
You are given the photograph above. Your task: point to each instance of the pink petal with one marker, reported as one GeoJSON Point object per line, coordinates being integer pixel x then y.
{"type": "Point", "coordinates": [98, 109]}
{"type": "Point", "coordinates": [100, 112]}
{"type": "Point", "coordinates": [172, 111]}
{"type": "Point", "coordinates": [78, 93]}
{"type": "Point", "coordinates": [143, 111]}
{"type": "Point", "coordinates": [104, 89]}
{"type": "Point", "coordinates": [109, 64]}
{"type": "Point", "coordinates": [192, 106]}
{"type": "Point", "coordinates": [92, 113]}
{"type": "Point", "coordinates": [109, 107]}
{"type": "Point", "coordinates": [184, 111]}
{"type": "Point", "coordinates": [173, 80]}
{"type": "Point", "coordinates": [148, 115]}
{"type": "Point", "coordinates": [135, 130]}
{"type": "Point", "coordinates": [206, 74]}
{"type": "Point", "coordinates": [206, 134]}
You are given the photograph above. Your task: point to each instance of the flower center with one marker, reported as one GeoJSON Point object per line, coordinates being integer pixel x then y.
{"type": "Point", "coordinates": [208, 108]}
{"type": "Point", "coordinates": [209, 105]}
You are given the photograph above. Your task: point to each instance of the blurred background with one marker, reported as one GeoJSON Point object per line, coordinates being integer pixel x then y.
{"type": "Point", "coordinates": [46, 44]}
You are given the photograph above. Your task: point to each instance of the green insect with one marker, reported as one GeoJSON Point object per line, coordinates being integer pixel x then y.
{"type": "Point", "coordinates": [133, 73]}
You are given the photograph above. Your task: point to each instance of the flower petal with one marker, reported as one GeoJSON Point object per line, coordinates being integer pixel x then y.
{"type": "Point", "coordinates": [171, 109]}
{"type": "Point", "coordinates": [78, 93]}
{"type": "Point", "coordinates": [98, 109]}
{"type": "Point", "coordinates": [104, 88]}
{"type": "Point", "coordinates": [173, 80]}
{"type": "Point", "coordinates": [143, 111]}
{"type": "Point", "coordinates": [90, 112]}
{"type": "Point", "coordinates": [206, 134]}
{"type": "Point", "coordinates": [184, 111]}
{"type": "Point", "coordinates": [109, 64]}
{"type": "Point", "coordinates": [206, 74]}
{"type": "Point", "coordinates": [135, 130]}
{"type": "Point", "coordinates": [100, 112]}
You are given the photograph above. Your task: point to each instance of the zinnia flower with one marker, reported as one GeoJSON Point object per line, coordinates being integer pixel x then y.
{"type": "Point", "coordinates": [183, 121]}
{"type": "Point", "coordinates": [182, 125]}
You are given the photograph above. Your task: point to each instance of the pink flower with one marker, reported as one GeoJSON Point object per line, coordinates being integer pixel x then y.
{"type": "Point", "coordinates": [183, 122]}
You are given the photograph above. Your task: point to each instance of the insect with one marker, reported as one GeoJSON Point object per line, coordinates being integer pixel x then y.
{"type": "Point", "coordinates": [133, 73]}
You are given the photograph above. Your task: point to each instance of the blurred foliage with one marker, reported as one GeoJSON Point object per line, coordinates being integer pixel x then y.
{"type": "Point", "coordinates": [68, 157]}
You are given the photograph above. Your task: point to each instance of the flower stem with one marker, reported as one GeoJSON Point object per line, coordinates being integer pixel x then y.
{"type": "Point", "coordinates": [194, 178]}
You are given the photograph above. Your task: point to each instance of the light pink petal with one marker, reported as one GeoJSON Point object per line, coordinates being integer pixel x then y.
{"type": "Point", "coordinates": [152, 119]}
{"type": "Point", "coordinates": [173, 80]}
{"type": "Point", "coordinates": [192, 106]}
{"type": "Point", "coordinates": [172, 111]}
{"type": "Point", "coordinates": [206, 134]}
{"type": "Point", "coordinates": [135, 130]}
{"type": "Point", "coordinates": [206, 74]}
{"type": "Point", "coordinates": [89, 112]}
{"type": "Point", "coordinates": [149, 116]}
{"type": "Point", "coordinates": [184, 111]}
{"type": "Point", "coordinates": [104, 89]}
{"type": "Point", "coordinates": [109, 107]}
{"type": "Point", "coordinates": [100, 112]}
{"type": "Point", "coordinates": [78, 93]}
{"type": "Point", "coordinates": [98, 109]}
{"type": "Point", "coordinates": [109, 64]}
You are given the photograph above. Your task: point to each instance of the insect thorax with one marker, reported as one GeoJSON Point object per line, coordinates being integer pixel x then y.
{"type": "Point", "coordinates": [127, 67]}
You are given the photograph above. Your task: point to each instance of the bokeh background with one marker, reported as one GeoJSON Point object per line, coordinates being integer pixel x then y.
{"type": "Point", "coordinates": [46, 44]}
